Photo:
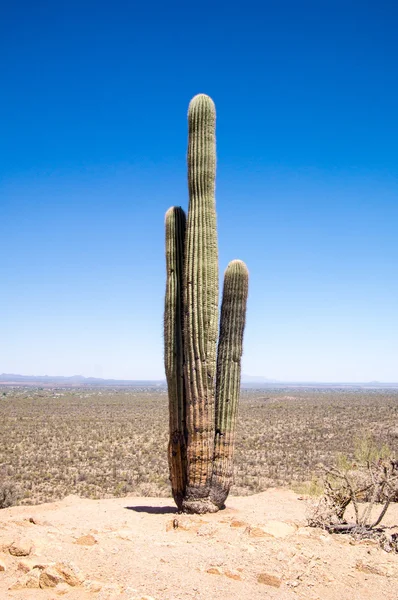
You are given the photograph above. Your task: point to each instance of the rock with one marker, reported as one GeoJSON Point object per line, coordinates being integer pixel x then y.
{"type": "Point", "coordinates": [279, 529]}
{"type": "Point", "coordinates": [3, 566]}
{"type": "Point", "coordinates": [275, 529]}
{"type": "Point", "coordinates": [33, 578]}
{"type": "Point", "coordinates": [256, 532]}
{"type": "Point", "coordinates": [86, 540]}
{"type": "Point", "coordinates": [233, 574]}
{"type": "Point", "coordinates": [30, 580]}
{"type": "Point", "coordinates": [34, 521]}
{"type": "Point", "coordinates": [25, 566]}
{"type": "Point", "coordinates": [214, 571]}
{"type": "Point", "coordinates": [184, 524]}
{"type": "Point", "coordinates": [22, 547]}
{"type": "Point", "coordinates": [368, 568]}
{"type": "Point", "coordinates": [236, 523]}
{"type": "Point", "coordinates": [173, 524]}
{"type": "Point", "coordinates": [18, 585]}
{"type": "Point", "coordinates": [92, 586]}
{"type": "Point", "coordinates": [5, 544]}
{"type": "Point", "coordinates": [50, 578]}
{"type": "Point", "coordinates": [28, 564]}
{"type": "Point", "coordinates": [268, 579]}
{"type": "Point", "coordinates": [70, 573]}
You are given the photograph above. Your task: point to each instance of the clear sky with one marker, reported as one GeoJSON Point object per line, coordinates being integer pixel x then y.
{"type": "Point", "coordinates": [93, 140]}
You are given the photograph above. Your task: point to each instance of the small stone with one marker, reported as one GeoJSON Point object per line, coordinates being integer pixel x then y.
{"type": "Point", "coordinates": [22, 547]}
{"type": "Point", "coordinates": [5, 544]}
{"type": "Point", "coordinates": [256, 532]}
{"type": "Point", "coordinates": [268, 579]}
{"type": "Point", "coordinates": [92, 586]}
{"type": "Point", "coordinates": [233, 575]}
{"type": "Point", "coordinates": [184, 524]}
{"type": "Point", "coordinates": [279, 529]}
{"type": "Point", "coordinates": [33, 578]}
{"type": "Point", "coordinates": [28, 564]}
{"type": "Point", "coordinates": [173, 524]}
{"type": "Point", "coordinates": [25, 566]}
{"type": "Point", "coordinates": [214, 571]}
{"type": "Point", "coordinates": [86, 540]}
{"type": "Point", "coordinates": [18, 585]}
{"type": "Point", "coordinates": [70, 573]}
{"type": "Point", "coordinates": [275, 529]}
{"type": "Point", "coordinates": [236, 523]}
{"type": "Point", "coordinates": [367, 568]}
{"type": "Point", "coordinates": [50, 578]}
{"type": "Point", "coordinates": [30, 580]}
{"type": "Point", "coordinates": [3, 566]}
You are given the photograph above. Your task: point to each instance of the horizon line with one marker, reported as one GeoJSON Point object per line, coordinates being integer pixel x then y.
{"type": "Point", "coordinates": [261, 380]}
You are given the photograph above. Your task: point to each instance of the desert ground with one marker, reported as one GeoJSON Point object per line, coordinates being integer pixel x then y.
{"type": "Point", "coordinates": [108, 528]}
{"type": "Point", "coordinates": [139, 548]}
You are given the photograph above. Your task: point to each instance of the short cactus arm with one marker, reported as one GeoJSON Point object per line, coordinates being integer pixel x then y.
{"type": "Point", "coordinates": [175, 222]}
{"type": "Point", "coordinates": [230, 348]}
{"type": "Point", "coordinates": [200, 300]}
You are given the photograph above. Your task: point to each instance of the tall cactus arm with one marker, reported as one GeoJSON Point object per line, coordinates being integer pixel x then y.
{"type": "Point", "coordinates": [200, 300]}
{"type": "Point", "coordinates": [230, 347]}
{"type": "Point", "coordinates": [175, 222]}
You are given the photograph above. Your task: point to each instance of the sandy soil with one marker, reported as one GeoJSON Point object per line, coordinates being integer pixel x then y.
{"type": "Point", "coordinates": [133, 548]}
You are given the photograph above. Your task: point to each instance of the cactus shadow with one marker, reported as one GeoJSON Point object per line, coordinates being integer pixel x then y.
{"type": "Point", "coordinates": [153, 510]}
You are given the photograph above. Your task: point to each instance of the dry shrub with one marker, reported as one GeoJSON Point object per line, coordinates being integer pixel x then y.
{"type": "Point", "coordinates": [370, 480]}
{"type": "Point", "coordinates": [9, 495]}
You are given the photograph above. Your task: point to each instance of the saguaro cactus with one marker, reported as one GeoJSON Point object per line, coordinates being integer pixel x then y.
{"type": "Point", "coordinates": [203, 386]}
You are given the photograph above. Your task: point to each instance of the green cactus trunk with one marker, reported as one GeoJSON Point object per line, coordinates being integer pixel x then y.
{"type": "Point", "coordinates": [202, 420]}
{"type": "Point", "coordinates": [200, 299]}
{"type": "Point", "coordinates": [230, 348]}
{"type": "Point", "coordinates": [174, 351]}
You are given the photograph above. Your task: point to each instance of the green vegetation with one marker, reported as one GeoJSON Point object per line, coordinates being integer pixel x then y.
{"type": "Point", "coordinates": [98, 443]}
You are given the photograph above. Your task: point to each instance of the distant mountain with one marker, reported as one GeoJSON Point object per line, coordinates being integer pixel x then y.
{"type": "Point", "coordinates": [256, 379]}
{"type": "Point", "coordinates": [248, 382]}
{"type": "Point", "coordinates": [74, 380]}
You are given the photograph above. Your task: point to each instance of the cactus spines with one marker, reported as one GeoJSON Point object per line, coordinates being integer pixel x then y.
{"type": "Point", "coordinates": [202, 426]}
{"type": "Point", "coordinates": [201, 296]}
{"type": "Point", "coordinates": [230, 348]}
{"type": "Point", "coordinates": [175, 222]}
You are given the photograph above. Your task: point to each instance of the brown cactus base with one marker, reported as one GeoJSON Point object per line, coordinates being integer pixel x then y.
{"type": "Point", "coordinates": [199, 506]}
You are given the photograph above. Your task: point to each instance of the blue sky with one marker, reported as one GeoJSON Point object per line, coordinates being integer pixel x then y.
{"type": "Point", "coordinates": [92, 153]}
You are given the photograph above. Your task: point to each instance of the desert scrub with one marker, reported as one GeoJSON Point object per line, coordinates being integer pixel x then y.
{"type": "Point", "coordinates": [89, 441]}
